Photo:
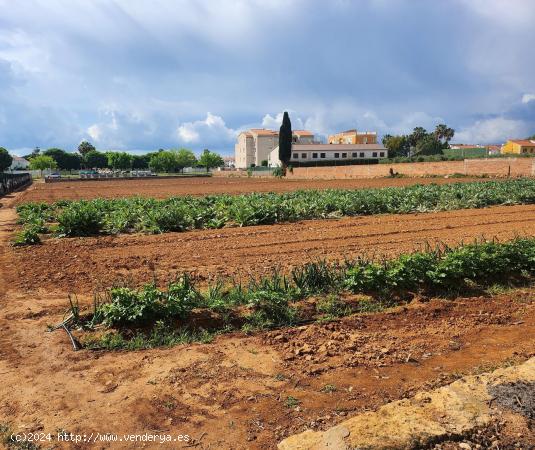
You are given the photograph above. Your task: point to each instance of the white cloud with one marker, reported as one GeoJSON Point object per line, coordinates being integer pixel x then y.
{"type": "Point", "coordinates": [274, 123]}
{"type": "Point", "coordinates": [493, 130]}
{"type": "Point", "coordinates": [118, 129]}
{"type": "Point", "coordinates": [95, 132]}
{"type": "Point", "coordinates": [506, 12]}
{"type": "Point", "coordinates": [210, 131]}
{"type": "Point", "coordinates": [416, 119]}
{"type": "Point", "coordinates": [526, 98]}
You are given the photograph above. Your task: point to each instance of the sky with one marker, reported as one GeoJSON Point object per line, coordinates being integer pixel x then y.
{"type": "Point", "coordinates": [142, 75]}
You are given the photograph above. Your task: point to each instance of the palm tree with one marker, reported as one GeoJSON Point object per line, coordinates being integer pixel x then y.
{"type": "Point", "coordinates": [443, 133]}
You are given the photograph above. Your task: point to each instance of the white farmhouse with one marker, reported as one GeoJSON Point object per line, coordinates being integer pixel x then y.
{"type": "Point", "coordinates": [330, 154]}
{"type": "Point", "coordinates": [19, 163]}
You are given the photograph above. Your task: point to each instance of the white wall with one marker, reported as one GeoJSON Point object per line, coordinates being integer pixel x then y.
{"type": "Point", "coordinates": [264, 146]}
{"type": "Point", "coordinates": [244, 151]}
{"type": "Point", "coordinates": [330, 155]}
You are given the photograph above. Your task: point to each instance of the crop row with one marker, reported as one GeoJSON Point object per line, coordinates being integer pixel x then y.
{"type": "Point", "coordinates": [276, 300]}
{"type": "Point", "coordinates": [126, 215]}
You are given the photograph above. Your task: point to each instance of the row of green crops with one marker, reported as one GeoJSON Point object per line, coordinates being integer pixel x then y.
{"type": "Point", "coordinates": [275, 300]}
{"type": "Point", "coordinates": [111, 216]}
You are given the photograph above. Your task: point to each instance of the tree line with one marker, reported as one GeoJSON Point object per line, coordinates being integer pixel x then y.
{"type": "Point", "coordinates": [88, 157]}
{"type": "Point", "coordinates": [419, 142]}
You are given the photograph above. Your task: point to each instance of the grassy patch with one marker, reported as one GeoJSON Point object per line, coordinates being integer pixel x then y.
{"type": "Point", "coordinates": [162, 335]}
{"type": "Point", "coordinates": [292, 402]}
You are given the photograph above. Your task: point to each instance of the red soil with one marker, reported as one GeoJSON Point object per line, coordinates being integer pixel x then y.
{"type": "Point", "coordinates": [232, 393]}
{"type": "Point", "coordinates": [161, 188]}
{"type": "Point", "coordinates": [82, 264]}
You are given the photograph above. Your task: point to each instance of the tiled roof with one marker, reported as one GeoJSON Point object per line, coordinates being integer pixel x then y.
{"type": "Point", "coordinates": [263, 132]}
{"type": "Point", "coordinates": [459, 146]}
{"type": "Point", "coordinates": [526, 142]}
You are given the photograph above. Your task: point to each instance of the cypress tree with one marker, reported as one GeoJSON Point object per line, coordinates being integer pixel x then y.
{"type": "Point", "coordinates": [285, 140]}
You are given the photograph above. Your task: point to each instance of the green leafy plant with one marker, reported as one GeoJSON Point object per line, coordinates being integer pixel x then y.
{"type": "Point", "coordinates": [270, 309]}
{"type": "Point", "coordinates": [333, 306]}
{"type": "Point", "coordinates": [128, 306]}
{"type": "Point", "coordinates": [111, 216]}
{"type": "Point", "coordinates": [80, 219]}
{"type": "Point", "coordinates": [29, 235]}
{"type": "Point", "coordinates": [150, 316]}
{"type": "Point", "coordinates": [292, 402]}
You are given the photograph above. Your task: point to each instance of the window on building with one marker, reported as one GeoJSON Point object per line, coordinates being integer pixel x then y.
{"type": "Point", "coordinates": [362, 154]}
{"type": "Point", "coordinates": [296, 156]}
{"type": "Point", "coordinates": [354, 154]}
{"type": "Point", "coordinates": [314, 155]}
{"type": "Point", "coordinates": [382, 154]}
{"type": "Point", "coordinates": [374, 154]}
{"type": "Point", "coordinates": [303, 155]}
{"type": "Point", "coordinates": [337, 155]}
{"type": "Point", "coordinates": [344, 155]}
{"type": "Point", "coordinates": [322, 155]}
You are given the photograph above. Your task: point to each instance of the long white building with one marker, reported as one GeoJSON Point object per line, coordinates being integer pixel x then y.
{"type": "Point", "coordinates": [321, 153]}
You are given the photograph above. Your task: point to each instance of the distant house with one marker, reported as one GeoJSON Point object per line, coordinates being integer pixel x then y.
{"type": "Point", "coordinates": [519, 146]}
{"type": "Point", "coordinates": [494, 149]}
{"type": "Point", "coordinates": [229, 162]}
{"type": "Point", "coordinates": [255, 145]}
{"type": "Point", "coordinates": [353, 137]}
{"type": "Point", "coordinates": [19, 163]}
{"type": "Point", "coordinates": [302, 137]}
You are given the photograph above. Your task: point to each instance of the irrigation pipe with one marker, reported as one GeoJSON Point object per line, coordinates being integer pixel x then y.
{"type": "Point", "coordinates": [75, 345]}
{"type": "Point", "coordinates": [63, 325]}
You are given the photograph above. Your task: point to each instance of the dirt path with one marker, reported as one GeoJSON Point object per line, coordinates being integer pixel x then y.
{"type": "Point", "coordinates": [233, 393]}
{"type": "Point", "coordinates": [162, 188]}
{"type": "Point", "coordinates": [81, 264]}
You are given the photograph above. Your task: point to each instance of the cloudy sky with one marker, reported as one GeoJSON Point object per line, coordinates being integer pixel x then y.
{"type": "Point", "coordinates": [141, 75]}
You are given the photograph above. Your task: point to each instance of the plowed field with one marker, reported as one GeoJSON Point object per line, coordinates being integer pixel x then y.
{"type": "Point", "coordinates": [81, 264]}
{"type": "Point", "coordinates": [167, 187]}
{"type": "Point", "coordinates": [234, 393]}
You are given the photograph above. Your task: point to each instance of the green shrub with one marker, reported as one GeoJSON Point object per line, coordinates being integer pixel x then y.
{"type": "Point", "coordinates": [447, 270]}
{"type": "Point", "coordinates": [270, 309]}
{"type": "Point", "coordinates": [128, 306]}
{"type": "Point", "coordinates": [80, 219]}
{"type": "Point", "coordinates": [367, 277]}
{"type": "Point", "coordinates": [29, 235]}
{"type": "Point", "coordinates": [278, 172]}
{"type": "Point", "coordinates": [317, 277]}
{"type": "Point", "coordinates": [172, 217]}
{"type": "Point", "coordinates": [333, 306]}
